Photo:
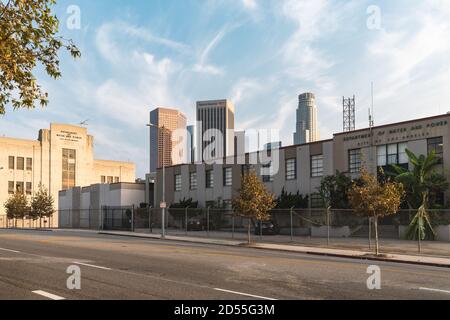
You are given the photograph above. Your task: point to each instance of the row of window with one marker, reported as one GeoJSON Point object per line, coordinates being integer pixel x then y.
{"type": "Point", "coordinates": [20, 163]}
{"type": "Point", "coordinates": [109, 179]}
{"type": "Point", "coordinates": [291, 173]}
{"type": "Point", "coordinates": [394, 153]}
{"type": "Point", "coordinates": [18, 187]}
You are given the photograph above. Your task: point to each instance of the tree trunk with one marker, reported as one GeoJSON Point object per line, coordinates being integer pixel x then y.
{"type": "Point", "coordinates": [248, 231]}
{"type": "Point", "coordinates": [377, 251]}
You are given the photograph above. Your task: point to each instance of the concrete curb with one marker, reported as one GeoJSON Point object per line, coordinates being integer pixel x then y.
{"type": "Point", "coordinates": [28, 229]}
{"type": "Point", "coordinates": [327, 252]}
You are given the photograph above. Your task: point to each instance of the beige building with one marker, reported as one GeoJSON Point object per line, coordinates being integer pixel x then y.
{"type": "Point", "coordinates": [61, 158]}
{"type": "Point", "coordinates": [301, 167]}
{"type": "Point", "coordinates": [170, 135]}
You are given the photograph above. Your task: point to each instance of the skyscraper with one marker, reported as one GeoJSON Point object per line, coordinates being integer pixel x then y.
{"type": "Point", "coordinates": [190, 141]}
{"type": "Point", "coordinates": [168, 120]}
{"type": "Point", "coordinates": [219, 115]}
{"type": "Point", "coordinates": [306, 129]}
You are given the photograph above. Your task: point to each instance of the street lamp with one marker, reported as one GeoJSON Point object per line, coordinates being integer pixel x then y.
{"type": "Point", "coordinates": [163, 200]}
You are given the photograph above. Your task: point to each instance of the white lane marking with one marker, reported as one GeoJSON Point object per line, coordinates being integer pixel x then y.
{"type": "Point", "coordinates": [9, 250]}
{"type": "Point", "coordinates": [435, 290]}
{"type": "Point", "coordinates": [48, 295]}
{"type": "Point", "coordinates": [91, 265]}
{"type": "Point", "coordinates": [244, 294]}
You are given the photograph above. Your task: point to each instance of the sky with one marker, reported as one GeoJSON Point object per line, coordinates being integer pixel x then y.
{"type": "Point", "coordinates": [260, 54]}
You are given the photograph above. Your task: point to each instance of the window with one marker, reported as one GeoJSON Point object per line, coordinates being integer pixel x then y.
{"type": "Point", "coordinates": [110, 179]}
{"type": "Point", "coordinates": [436, 145]}
{"type": "Point", "coordinates": [178, 182]}
{"type": "Point", "coordinates": [20, 163]}
{"type": "Point", "coordinates": [68, 168]}
{"type": "Point", "coordinates": [116, 179]}
{"type": "Point", "coordinates": [103, 179]}
{"type": "Point", "coordinates": [193, 181]}
{"type": "Point", "coordinates": [354, 160]}
{"type": "Point", "coordinates": [246, 168]}
{"type": "Point", "coordinates": [291, 169]}
{"type": "Point", "coordinates": [11, 187]}
{"type": "Point", "coordinates": [267, 168]}
{"type": "Point", "coordinates": [227, 204]}
{"type": "Point", "coordinates": [317, 166]}
{"type": "Point", "coordinates": [19, 187]}
{"type": "Point", "coordinates": [392, 154]}
{"type": "Point", "coordinates": [11, 162]}
{"type": "Point", "coordinates": [227, 176]}
{"type": "Point", "coordinates": [209, 178]}
{"type": "Point", "coordinates": [316, 201]}
{"type": "Point", "coordinates": [29, 187]}
{"type": "Point", "coordinates": [402, 155]}
{"type": "Point", "coordinates": [29, 164]}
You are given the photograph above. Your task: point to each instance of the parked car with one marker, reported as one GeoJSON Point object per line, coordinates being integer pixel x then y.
{"type": "Point", "coordinates": [195, 224]}
{"type": "Point", "coordinates": [267, 228]}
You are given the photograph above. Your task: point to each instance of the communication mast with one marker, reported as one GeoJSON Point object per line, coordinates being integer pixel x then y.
{"type": "Point", "coordinates": [349, 113]}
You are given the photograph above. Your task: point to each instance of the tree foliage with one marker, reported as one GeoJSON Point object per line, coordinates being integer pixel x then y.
{"type": "Point", "coordinates": [184, 204]}
{"type": "Point", "coordinates": [28, 38]}
{"type": "Point", "coordinates": [290, 200]}
{"type": "Point", "coordinates": [42, 204]}
{"type": "Point", "coordinates": [16, 206]}
{"type": "Point", "coordinates": [334, 190]}
{"type": "Point", "coordinates": [254, 200]}
{"type": "Point", "coordinates": [422, 184]}
{"type": "Point", "coordinates": [375, 199]}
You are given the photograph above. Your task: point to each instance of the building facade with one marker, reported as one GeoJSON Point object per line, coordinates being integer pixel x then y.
{"type": "Point", "coordinates": [163, 141]}
{"type": "Point", "coordinates": [306, 126]}
{"type": "Point", "coordinates": [215, 115]}
{"type": "Point", "coordinates": [302, 167]}
{"type": "Point", "coordinates": [61, 158]}
{"type": "Point", "coordinates": [84, 207]}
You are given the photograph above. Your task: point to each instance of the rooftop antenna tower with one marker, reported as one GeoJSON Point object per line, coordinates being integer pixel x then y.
{"type": "Point", "coordinates": [349, 113]}
{"type": "Point", "coordinates": [84, 123]}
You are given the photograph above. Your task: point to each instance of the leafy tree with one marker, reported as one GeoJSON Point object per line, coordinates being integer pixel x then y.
{"type": "Point", "coordinates": [42, 204]}
{"type": "Point", "coordinates": [289, 200]}
{"type": "Point", "coordinates": [253, 201]}
{"type": "Point", "coordinates": [375, 199]}
{"type": "Point", "coordinates": [28, 37]}
{"type": "Point", "coordinates": [16, 207]}
{"type": "Point", "coordinates": [334, 190]}
{"type": "Point", "coordinates": [421, 184]}
{"type": "Point", "coordinates": [184, 204]}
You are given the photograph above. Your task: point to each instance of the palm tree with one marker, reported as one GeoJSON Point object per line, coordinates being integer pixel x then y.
{"type": "Point", "coordinates": [419, 183]}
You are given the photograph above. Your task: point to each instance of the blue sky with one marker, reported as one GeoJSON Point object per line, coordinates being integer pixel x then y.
{"type": "Point", "coordinates": [261, 54]}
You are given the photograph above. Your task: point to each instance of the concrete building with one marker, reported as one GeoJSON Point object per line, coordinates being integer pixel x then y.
{"type": "Point", "coordinates": [218, 115]}
{"type": "Point", "coordinates": [301, 167]}
{"type": "Point", "coordinates": [172, 124]}
{"type": "Point", "coordinates": [61, 158]}
{"type": "Point", "coordinates": [306, 127]}
{"type": "Point", "coordinates": [85, 207]}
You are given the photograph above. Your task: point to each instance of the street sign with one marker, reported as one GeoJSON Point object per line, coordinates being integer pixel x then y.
{"type": "Point", "coordinates": [163, 205]}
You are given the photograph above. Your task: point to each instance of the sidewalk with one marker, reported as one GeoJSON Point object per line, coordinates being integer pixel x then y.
{"type": "Point", "coordinates": [344, 253]}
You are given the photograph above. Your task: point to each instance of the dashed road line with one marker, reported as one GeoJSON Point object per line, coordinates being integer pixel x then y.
{"type": "Point", "coordinates": [244, 294]}
{"type": "Point", "coordinates": [48, 295]}
{"type": "Point", "coordinates": [435, 290]}
{"type": "Point", "coordinates": [91, 265]}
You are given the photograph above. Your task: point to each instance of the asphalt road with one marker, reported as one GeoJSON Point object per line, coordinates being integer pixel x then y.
{"type": "Point", "coordinates": [33, 265]}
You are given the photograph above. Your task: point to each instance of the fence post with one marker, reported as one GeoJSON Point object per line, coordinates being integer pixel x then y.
{"type": "Point", "coordinates": [186, 220]}
{"type": "Point", "coordinates": [328, 226]}
{"type": "Point", "coordinates": [150, 218]}
{"type": "Point", "coordinates": [418, 236]}
{"type": "Point", "coordinates": [291, 212]}
{"type": "Point", "coordinates": [207, 222]}
{"type": "Point", "coordinates": [232, 226]}
{"type": "Point", "coordinates": [132, 218]}
{"type": "Point", "coordinates": [260, 230]}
